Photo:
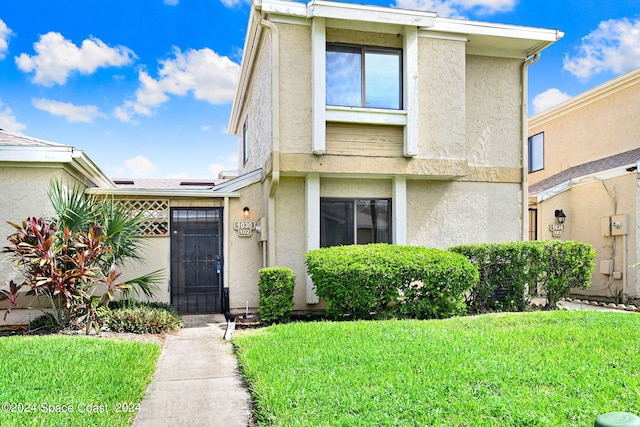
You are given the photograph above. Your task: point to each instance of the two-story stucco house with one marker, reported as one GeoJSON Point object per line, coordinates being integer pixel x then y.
{"type": "Point", "coordinates": [374, 124]}
{"type": "Point", "coordinates": [356, 124]}
{"type": "Point", "coordinates": [584, 156]}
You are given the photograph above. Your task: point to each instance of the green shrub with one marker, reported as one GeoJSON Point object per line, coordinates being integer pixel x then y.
{"type": "Point", "coordinates": [143, 318]}
{"type": "Point", "coordinates": [276, 294]}
{"type": "Point", "coordinates": [511, 270]}
{"type": "Point", "coordinates": [567, 264]}
{"type": "Point", "coordinates": [409, 281]}
{"type": "Point", "coordinates": [506, 270]}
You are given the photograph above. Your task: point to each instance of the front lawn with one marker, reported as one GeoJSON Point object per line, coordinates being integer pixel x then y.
{"type": "Point", "coordinates": [534, 369]}
{"type": "Point", "coordinates": [73, 381]}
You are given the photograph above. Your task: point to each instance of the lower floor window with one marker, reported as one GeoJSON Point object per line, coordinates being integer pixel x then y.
{"type": "Point", "coordinates": [354, 221]}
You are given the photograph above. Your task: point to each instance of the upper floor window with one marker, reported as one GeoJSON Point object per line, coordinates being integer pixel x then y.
{"type": "Point", "coordinates": [536, 152]}
{"type": "Point", "coordinates": [354, 221]}
{"type": "Point", "coordinates": [245, 144]}
{"type": "Point", "coordinates": [362, 76]}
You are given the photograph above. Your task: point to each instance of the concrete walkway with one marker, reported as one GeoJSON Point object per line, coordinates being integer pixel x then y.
{"type": "Point", "coordinates": [197, 382]}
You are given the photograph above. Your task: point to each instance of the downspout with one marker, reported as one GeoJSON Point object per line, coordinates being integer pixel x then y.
{"type": "Point", "coordinates": [275, 132]}
{"type": "Point", "coordinates": [525, 149]}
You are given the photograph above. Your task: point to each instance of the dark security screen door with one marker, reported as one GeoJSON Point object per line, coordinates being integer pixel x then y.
{"type": "Point", "coordinates": [196, 260]}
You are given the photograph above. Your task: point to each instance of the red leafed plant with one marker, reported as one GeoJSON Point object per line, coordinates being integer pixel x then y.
{"type": "Point", "coordinates": [65, 268]}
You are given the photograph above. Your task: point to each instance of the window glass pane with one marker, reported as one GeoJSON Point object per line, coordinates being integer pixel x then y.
{"type": "Point", "coordinates": [373, 220]}
{"type": "Point", "coordinates": [382, 79]}
{"type": "Point", "coordinates": [344, 76]}
{"type": "Point", "coordinates": [336, 223]}
{"type": "Point", "coordinates": [536, 152]}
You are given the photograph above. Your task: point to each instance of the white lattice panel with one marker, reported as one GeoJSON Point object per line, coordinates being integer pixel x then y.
{"type": "Point", "coordinates": [155, 220]}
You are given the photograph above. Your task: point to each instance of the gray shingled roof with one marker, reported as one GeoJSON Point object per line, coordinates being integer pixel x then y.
{"type": "Point", "coordinates": [166, 183]}
{"type": "Point", "coordinates": [611, 162]}
{"type": "Point", "coordinates": [9, 139]}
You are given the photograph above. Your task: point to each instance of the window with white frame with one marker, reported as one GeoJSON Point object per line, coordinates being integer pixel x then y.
{"type": "Point", "coordinates": [354, 221]}
{"type": "Point", "coordinates": [363, 76]}
{"type": "Point", "coordinates": [245, 144]}
{"type": "Point", "coordinates": [536, 152]}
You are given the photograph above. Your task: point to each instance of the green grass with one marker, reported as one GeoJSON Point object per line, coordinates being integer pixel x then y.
{"type": "Point", "coordinates": [534, 369]}
{"type": "Point", "coordinates": [45, 374]}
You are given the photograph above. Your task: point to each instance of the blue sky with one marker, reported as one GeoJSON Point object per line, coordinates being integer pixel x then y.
{"type": "Point", "coordinates": [145, 87]}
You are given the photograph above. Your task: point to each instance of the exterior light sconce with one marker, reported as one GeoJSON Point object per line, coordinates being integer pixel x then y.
{"type": "Point", "coordinates": [246, 212]}
{"type": "Point", "coordinates": [560, 216]}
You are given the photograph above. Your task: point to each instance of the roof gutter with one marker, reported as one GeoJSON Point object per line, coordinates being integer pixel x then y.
{"type": "Point", "coordinates": [145, 192]}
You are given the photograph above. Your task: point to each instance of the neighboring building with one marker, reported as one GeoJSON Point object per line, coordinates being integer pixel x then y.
{"type": "Point", "coordinates": [584, 162]}
{"type": "Point", "coordinates": [374, 124]}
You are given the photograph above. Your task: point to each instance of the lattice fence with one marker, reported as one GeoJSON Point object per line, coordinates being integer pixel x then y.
{"type": "Point", "coordinates": [156, 215]}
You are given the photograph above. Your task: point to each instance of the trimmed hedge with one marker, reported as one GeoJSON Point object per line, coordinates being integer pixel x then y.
{"type": "Point", "coordinates": [276, 294]}
{"type": "Point", "coordinates": [505, 271]}
{"type": "Point", "coordinates": [509, 271]}
{"type": "Point", "coordinates": [362, 281]}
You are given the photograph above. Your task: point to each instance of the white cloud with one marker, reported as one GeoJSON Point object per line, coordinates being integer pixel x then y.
{"type": "Point", "coordinates": [72, 113]}
{"type": "Point", "coordinates": [613, 46]}
{"type": "Point", "coordinates": [203, 73]}
{"type": "Point", "coordinates": [205, 128]}
{"type": "Point", "coordinates": [8, 120]}
{"type": "Point", "coordinates": [140, 166]}
{"type": "Point", "coordinates": [5, 33]}
{"type": "Point", "coordinates": [458, 8]}
{"type": "Point", "coordinates": [216, 168]}
{"type": "Point", "coordinates": [234, 3]}
{"type": "Point", "coordinates": [548, 99]}
{"type": "Point", "coordinates": [171, 2]}
{"type": "Point", "coordinates": [56, 58]}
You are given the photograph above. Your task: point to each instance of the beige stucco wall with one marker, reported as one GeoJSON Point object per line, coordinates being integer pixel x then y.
{"type": "Point", "coordinates": [295, 88]}
{"type": "Point", "coordinates": [156, 255]}
{"type": "Point", "coordinates": [584, 206]}
{"type": "Point", "coordinates": [493, 121]}
{"type": "Point", "coordinates": [442, 213]}
{"type": "Point", "coordinates": [441, 104]}
{"type": "Point", "coordinates": [245, 254]}
{"type": "Point", "coordinates": [25, 194]}
{"type": "Point", "coordinates": [607, 126]}
{"type": "Point", "coordinates": [290, 243]}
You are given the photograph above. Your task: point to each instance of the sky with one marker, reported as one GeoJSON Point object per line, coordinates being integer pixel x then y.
{"type": "Point", "coordinates": [145, 87]}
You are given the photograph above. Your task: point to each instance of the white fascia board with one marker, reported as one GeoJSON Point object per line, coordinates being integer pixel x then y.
{"type": "Point", "coordinates": [170, 193]}
{"type": "Point", "coordinates": [83, 164]}
{"type": "Point", "coordinates": [377, 14]}
{"type": "Point", "coordinates": [553, 191]}
{"type": "Point", "coordinates": [279, 7]}
{"type": "Point", "coordinates": [586, 179]}
{"type": "Point", "coordinates": [349, 12]}
{"type": "Point", "coordinates": [462, 26]}
{"type": "Point", "coordinates": [36, 154]}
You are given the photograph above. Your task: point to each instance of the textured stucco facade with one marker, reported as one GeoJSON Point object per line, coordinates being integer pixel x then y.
{"type": "Point", "coordinates": [449, 161]}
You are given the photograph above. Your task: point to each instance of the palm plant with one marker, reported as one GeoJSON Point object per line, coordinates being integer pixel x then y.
{"type": "Point", "coordinates": [77, 212]}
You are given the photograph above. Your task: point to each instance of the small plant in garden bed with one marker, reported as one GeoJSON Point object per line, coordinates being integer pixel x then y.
{"type": "Point", "coordinates": [143, 318]}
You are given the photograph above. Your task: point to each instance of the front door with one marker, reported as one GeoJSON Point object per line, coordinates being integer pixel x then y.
{"type": "Point", "coordinates": [196, 260]}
